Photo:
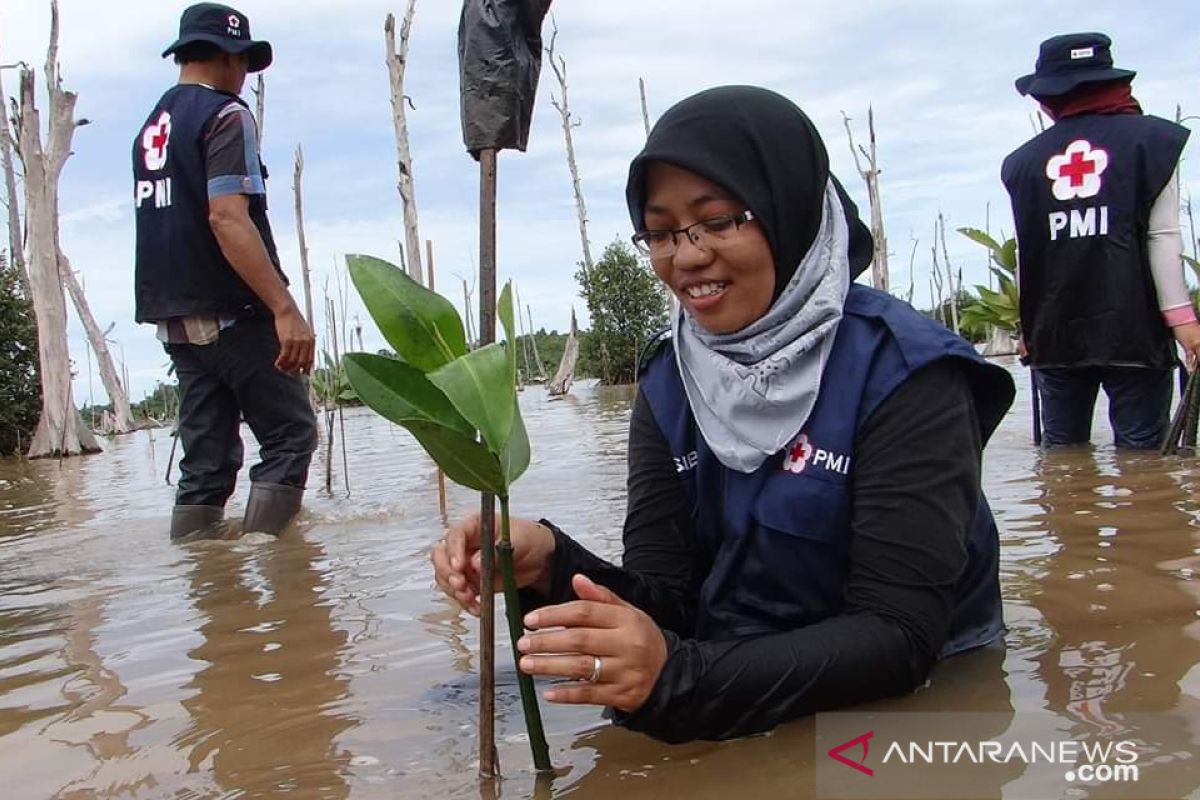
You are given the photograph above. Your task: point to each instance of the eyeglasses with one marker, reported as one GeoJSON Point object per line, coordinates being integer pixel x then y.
{"type": "Point", "coordinates": [704, 235]}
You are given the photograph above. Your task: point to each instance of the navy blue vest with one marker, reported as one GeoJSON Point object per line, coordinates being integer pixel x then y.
{"type": "Point", "coordinates": [779, 536]}
{"type": "Point", "coordinates": [1081, 196]}
{"type": "Point", "coordinates": [180, 270]}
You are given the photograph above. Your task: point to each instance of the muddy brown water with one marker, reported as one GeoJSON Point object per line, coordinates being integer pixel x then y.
{"type": "Point", "coordinates": [326, 665]}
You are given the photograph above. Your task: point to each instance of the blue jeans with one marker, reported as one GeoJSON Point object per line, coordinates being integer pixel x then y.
{"type": "Point", "coordinates": [1139, 402]}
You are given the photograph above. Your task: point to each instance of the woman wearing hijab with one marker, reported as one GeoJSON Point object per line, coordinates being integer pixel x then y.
{"type": "Point", "coordinates": [805, 525]}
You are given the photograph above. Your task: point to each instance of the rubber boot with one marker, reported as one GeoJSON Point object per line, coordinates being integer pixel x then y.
{"type": "Point", "coordinates": [192, 523]}
{"type": "Point", "coordinates": [271, 507]}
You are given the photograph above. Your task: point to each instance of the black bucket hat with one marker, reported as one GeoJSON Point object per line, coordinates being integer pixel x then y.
{"type": "Point", "coordinates": [1066, 61]}
{"type": "Point", "coordinates": [227, 28]}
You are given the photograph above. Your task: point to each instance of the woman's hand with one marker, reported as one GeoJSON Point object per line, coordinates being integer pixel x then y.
{"type": "Point", "coordinates": [457, 561]}
{"type": "Point", "coordinates": [599, 625]}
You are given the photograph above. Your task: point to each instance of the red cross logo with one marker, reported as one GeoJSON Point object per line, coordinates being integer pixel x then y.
{"type": "Point", "coordinates": [1077, 168]}
{"type": "Point", "coordinates": [154, 141]}
{"type": "Point", "coordinates": [798, 454]}
{"type": "Point", "coordinates": [1076, 172]}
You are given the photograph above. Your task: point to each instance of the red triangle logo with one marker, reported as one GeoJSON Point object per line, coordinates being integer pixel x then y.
{"type": "Point", "coordinates": [860, 765]}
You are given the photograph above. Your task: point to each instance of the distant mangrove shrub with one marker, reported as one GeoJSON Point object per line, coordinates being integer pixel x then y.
{"type": "Point", "coordinates": [20, 387]}
{"type": "Point", "coordinates": [628, 305]}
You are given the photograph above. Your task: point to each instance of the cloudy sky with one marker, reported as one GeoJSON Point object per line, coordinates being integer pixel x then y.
{"type": "Point", "coordinates": [938, 73]}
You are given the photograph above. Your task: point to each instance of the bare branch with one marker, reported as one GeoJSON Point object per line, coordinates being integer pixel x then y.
{"type": "Point", "coordinates": [260, 103]}
{"type": "Point", "coordinates": [870, 175]}
{"type": "Point", "coordinates": [397, 60]}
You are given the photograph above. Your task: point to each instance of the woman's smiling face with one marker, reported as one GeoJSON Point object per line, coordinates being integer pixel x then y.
{"type": "Point", "coordinates": [725, 285]}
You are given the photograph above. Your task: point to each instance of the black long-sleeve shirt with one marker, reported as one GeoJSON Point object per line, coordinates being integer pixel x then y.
{"type": "Point", "coordinates": [915, 491]}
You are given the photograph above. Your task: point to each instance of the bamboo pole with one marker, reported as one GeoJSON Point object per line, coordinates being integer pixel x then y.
{"type": "Point", "coordinates": [489, 765]}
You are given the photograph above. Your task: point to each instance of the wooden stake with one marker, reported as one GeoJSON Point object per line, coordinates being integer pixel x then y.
{"type": "Point", "coordinates": [396, 62]}
{"type": "Point", "coordinates": [489, 762]}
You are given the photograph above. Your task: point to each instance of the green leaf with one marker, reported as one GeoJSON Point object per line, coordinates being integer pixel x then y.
{"type": "Point", "coordinates": [464, 460]}
{"type": "Point", "coordinates": [514, 460]}
{"type": "Point", "coordinates": [1194, 264]}
{"type": "Point", "coordinates": [401, 393]}
{"type": "Point", "coordinates": [1008, 256]}
{"type": "Point", "coordinates": [980, 237]}
{"type": "Point", "coordinates": [480, 386]}
{"type": "Point", "coordinates": [422, 326]}
{"type": "Point", "coordinates": [505, 312]}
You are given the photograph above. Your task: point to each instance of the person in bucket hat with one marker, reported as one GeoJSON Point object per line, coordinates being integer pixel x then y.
{"type": "Point", "coordinates": [209, 277]}
{"type": "Point", "coordinates": [1095, 198]}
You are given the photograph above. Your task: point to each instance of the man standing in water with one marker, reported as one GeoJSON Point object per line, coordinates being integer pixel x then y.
{"type": "Point", "coordinates": [1096, 203]}
{"type": "Point", "coordinates": [208, 276]}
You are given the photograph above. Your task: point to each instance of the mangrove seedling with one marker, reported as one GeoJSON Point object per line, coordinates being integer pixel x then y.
{"type": "Point", "coordinates": [459, 404]}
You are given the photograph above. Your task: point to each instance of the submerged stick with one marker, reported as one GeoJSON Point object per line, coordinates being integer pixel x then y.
{"type": "Point", "coordinates": [1185, 419]}
{"type": "Point", "coordinates": [512, 608]}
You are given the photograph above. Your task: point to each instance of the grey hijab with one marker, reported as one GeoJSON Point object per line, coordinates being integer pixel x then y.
{"type": "Point", "coordinates": [751, 391]}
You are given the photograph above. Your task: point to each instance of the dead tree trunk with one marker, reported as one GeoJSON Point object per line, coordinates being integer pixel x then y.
{"type": "Point", "coordinates": [954, 285]}
{"type": "Point", "coordinates": [260, 108]}
{"type": "Point", "coordinates": [60, 429]}
{"type": "Point", "coordinates": [645, 111]}
{"type": "Point", "coordinates": [16, 241]}
{"type": "Point", "coordinates": [564, 376]}
{"type": "Point", "coordinates": [559, 65]}
{"type": "Point", "coordinates": [396, 62]}
{"type": "Point", "coordinates": [467, 317]}
{"type": "Point", "coordinates": [536, 356]}
{"type": "Point", "coordinates": [298, 191]}
{"type": "Point", "coordinates": [870, 176]}
{"type": "Point", "coordinates": [122, 416]}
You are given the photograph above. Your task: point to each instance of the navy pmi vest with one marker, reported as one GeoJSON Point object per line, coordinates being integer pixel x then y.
{"type": "Point", "coordinates": [1081, 196]}
{"type": "Point", "coordinates": [180, 270]}
{"type": "Point", "coordinates": [778, 537]}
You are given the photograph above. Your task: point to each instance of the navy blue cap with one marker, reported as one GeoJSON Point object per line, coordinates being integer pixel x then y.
{"type": "Point", "coordinates": [227, 28]}
{"type": "Point", "coordinates": [1066, 61]}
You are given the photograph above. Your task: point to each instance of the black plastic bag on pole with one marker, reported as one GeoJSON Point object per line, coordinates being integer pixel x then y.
{"type": "Point", "coordinates": [500, 59]}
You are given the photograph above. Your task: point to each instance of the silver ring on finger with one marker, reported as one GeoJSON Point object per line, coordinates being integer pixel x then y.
{"type": "Point", "coordinates": [597, 668]}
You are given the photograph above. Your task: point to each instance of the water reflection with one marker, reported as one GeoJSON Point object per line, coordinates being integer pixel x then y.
{"type": "Point", "coordinates": [1120, 610]}
{"type": "Point", "coordinates": [330, 666]}
{"type": "Point", "coordinates": [266, 707]}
